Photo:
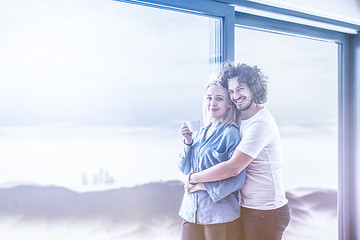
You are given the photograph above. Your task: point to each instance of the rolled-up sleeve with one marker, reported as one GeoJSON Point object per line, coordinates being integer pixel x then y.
{"type": "Point", "coordinates": [220, 189]}
{"type": "Point", "coordinates": [184, 161]}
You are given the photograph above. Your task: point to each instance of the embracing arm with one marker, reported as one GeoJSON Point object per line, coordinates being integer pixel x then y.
{"type": "Point", "coordinates": [238, 162]}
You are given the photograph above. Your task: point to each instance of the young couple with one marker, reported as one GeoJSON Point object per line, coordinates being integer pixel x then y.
{"type": "Point", "coordinates": [223, 157]}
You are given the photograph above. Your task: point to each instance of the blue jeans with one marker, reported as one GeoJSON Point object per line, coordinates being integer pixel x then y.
{"type": "Point", "coordinates": [264, 224]}
{"type": "Point", "coordinates": [219, 231]}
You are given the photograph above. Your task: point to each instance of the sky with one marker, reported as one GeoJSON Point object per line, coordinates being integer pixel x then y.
{"type": "Point", "coordinates": [86, 84]}
{"type": "Point", "coordinates": [302, 73]}
{"type": "Point", "coordinates": [97, 63]}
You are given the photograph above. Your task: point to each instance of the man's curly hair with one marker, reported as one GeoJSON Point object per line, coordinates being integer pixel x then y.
{"type": "Point", "coordinates": [252, 76]}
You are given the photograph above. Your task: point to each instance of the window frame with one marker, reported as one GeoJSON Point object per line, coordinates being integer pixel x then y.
{"type": "Point", "coordinates": [206, 8]}
{"type": "Point", "coordinates": [345, 34]}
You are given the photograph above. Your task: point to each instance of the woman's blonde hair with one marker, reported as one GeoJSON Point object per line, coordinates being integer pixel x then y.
{"type": "Point", "coordinates": [231, 115]}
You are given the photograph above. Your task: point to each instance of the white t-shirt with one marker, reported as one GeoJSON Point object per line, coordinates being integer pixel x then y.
{"type": "Point", "coordinates": [263, 188]}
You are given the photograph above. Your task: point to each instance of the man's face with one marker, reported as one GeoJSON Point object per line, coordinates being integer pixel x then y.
{"type": "Point", "coordinates": [240, 94]}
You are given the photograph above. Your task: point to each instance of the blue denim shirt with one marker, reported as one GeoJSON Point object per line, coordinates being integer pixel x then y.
{"type": "Point", "coordinates": [220, 202]}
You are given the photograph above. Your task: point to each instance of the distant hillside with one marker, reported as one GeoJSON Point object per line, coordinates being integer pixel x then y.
{"type": "Point", "coordinates": [137, 204]}
{"type": "Point", "coordinates": [321, 202]}
{"type": "Point", "coordinates": [148, 211]}
{"type": "Point", "coordinates": [140, 203]}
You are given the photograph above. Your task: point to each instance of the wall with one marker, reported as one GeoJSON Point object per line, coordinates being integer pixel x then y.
{"type": "Point", "coordinates": [346, 10]}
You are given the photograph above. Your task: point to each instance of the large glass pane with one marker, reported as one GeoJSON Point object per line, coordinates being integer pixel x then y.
{"type": "Point", "coordinates": [92, 97]}
{"type": "Point", "coordinates": [303, 97]}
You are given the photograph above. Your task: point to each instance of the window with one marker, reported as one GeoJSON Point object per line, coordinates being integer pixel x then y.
{"type": "Point", "coordinates": [68, 118]}
{"type": "Point", "coordinates": [303, 98]}
{"type": "Point", "coordinates": [96, 85]}
{"type": "Point", "coordinates": [92, 100]}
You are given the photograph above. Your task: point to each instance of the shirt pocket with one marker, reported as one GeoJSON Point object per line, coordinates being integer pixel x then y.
{"type": "Point", "coordinates": [219, 156]}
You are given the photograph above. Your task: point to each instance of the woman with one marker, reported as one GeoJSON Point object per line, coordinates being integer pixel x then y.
{"type": "Point", "coordinates": [211, 212]}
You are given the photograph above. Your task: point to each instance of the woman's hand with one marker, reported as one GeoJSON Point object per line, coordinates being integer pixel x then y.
{"type": "Point", "coordinates": [185, 132]}
{"type": "Point", "coordinates": [194, 188]}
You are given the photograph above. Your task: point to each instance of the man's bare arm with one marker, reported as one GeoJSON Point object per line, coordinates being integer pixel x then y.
{"type": "Point", "coordinates": [238, 162]}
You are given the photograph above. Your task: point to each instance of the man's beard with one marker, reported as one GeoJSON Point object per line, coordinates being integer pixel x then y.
{"type": "Point", "coordinates": [242, 109]}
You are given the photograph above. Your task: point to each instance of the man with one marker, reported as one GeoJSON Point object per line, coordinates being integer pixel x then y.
{"type": "Point", "coordinates": [264, 210]}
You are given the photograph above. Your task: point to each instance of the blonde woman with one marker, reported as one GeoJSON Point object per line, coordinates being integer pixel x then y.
{"type": "Point", "coordinates": [211, 212]}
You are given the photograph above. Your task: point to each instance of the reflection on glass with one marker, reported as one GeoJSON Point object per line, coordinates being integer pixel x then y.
{"type": "Point", "coordinates": [303, 98]}
{"type": "Point", "coordinates": [92, 100]}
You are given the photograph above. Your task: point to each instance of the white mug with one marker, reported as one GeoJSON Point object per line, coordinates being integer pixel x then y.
{"type": "Point", "coordinates": [194, 125]}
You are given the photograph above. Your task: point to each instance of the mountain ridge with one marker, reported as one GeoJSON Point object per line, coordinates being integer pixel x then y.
{"type": "Point", "coordinates": [161, 199]}
{"type": "Point", "coordinates": [158, 200]}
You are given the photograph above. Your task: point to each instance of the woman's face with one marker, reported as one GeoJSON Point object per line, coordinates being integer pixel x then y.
{"type": "Point", "coordinates": [217, 102]}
